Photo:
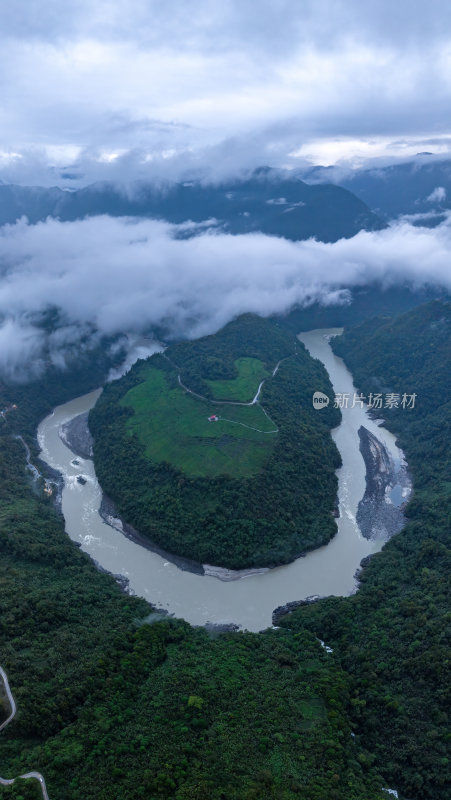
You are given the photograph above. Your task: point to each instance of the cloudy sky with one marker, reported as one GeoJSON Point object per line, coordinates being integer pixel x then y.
{"type": "Point", "coordinates": [144, 87]}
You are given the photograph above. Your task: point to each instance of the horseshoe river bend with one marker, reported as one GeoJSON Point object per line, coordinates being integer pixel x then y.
{"type": "Point", "coordinates": [221, 597]}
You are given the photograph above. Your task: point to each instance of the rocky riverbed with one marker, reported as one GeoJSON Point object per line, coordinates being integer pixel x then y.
{"type": "Point", "coordinates": [77, 436]}
{"type": "Point", "coordinates": [380, 513]}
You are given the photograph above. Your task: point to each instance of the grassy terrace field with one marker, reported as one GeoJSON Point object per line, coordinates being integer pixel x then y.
{"type": "Point", "coordinates": [173, 426]}
{"type": "Point", "coordinates": [243, 388]}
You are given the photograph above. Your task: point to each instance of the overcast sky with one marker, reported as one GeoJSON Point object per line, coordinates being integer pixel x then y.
{"type": "Point", "coordinates": [146, 87]}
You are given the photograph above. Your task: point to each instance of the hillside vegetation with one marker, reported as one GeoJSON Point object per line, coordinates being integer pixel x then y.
{"type": "Point", "coordinates": [174, 427]}
{"type": "Point", "coordinates": [116, 702]}
{"type": "Point", "coordinates": [112, 705]}
{"type": "Point", "coordinates": [254, 488]}
{"type": "Point", "coordinates": [392, 637]}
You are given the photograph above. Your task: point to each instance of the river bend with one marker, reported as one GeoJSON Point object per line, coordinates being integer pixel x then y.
{"type": "Point", "coordinates": [201, 599]}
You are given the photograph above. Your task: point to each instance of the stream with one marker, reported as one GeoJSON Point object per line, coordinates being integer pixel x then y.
{"type": "Point", "coordinates": [207, 599]}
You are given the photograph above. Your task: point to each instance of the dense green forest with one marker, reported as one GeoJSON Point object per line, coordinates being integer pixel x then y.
{"type": "Point", "coordinates": [152, 440]}
{"type": "Point", "coordinates": [392, 637]}
{"type": "Point", "coordinates": [112, 705]}
{"type": "Point", "coordinates": [114, 701]}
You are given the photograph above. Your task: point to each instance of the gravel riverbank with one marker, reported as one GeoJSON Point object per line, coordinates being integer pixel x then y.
{"type": "Point", "coordinates": [77, 436]}
{"type": "Point", "coordinates": [378, 515]}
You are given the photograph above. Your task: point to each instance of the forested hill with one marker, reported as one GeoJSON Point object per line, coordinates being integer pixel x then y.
{"type": "Point", "coordinates": [408, 354]}
{"type": "Point", "coordinates": [116, 702]}
{"type": "Point", "coordinates": [272, 201]}
{"type": "Point", "coordinates": [393, 635]}
{"type": "Point", "coordinates": [253, 486]}
{"type": "Point", "coordinates": [112, 705]}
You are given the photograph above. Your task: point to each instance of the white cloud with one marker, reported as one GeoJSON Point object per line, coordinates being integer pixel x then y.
{"type": "Point", "coordinates": [20, 349]}
{"type": "Point", "coordinates": [128, 275]}
{"type": "Point", "coordinates": [437, 196]}
{"type": "Point", "coordinates": [83, 82]}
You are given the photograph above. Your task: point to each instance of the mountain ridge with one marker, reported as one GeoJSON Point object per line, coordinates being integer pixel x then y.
{"type": "Point", "coordinates": [268, 201]}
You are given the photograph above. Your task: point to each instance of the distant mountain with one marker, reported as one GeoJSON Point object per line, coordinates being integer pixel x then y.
{"type": "Point", "coordinates": [276, 203]}
{"type": "Point", "coordinates": [366, 301]}
{"type": "Point", "coordinates": [421, 186]}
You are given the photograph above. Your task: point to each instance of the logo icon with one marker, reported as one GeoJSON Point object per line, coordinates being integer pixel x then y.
{"type": "Point", "coordinates": [320, 400]}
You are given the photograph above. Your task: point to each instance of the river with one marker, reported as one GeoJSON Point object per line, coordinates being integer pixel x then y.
{"type": "Point", "coordinates": [201, 599]}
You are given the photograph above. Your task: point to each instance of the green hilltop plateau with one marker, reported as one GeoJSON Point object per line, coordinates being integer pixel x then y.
{"type": "Point", "coordinates": [213, 449]}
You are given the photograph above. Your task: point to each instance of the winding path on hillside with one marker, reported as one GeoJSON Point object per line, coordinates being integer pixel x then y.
{"type": "Point", "coordinates": [35, 775]}
{"type": "Point", "coordinates": [243, 424]}
{"type": "Point", "coordinates": [253, 402]}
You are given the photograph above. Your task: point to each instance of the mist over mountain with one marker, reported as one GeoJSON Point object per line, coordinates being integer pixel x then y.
{"type": "Point", "coordinates": [271, 201]}
{"type": "Point", "coordinates": [60, 256]}
{"type": "Point", "coordinates": [64, 284]}
{"type": "Point", "coordinates": [421, 186]}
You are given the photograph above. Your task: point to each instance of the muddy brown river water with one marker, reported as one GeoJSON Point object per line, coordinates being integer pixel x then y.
{"type": "Point", "coordinates": [200, 599]}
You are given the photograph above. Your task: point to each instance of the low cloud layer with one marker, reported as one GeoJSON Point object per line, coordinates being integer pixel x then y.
{"type": "Point", "coordinates": [109, 276]}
